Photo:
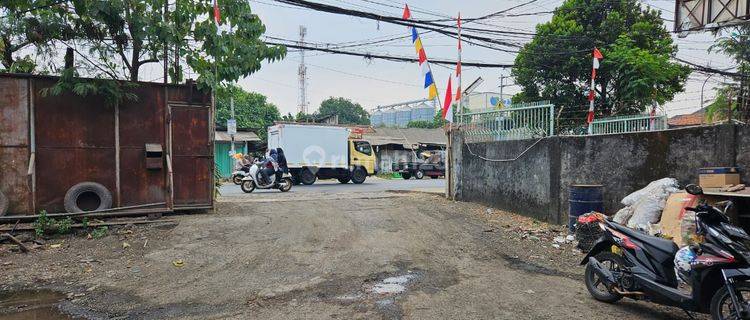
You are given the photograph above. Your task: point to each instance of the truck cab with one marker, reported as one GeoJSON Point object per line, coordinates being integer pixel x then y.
{"type": "Point", "coordinates": [362, 155]}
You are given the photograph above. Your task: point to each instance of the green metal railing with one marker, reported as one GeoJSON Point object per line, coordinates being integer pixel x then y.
{"type": "Point", "coordinates": [516, 122]}
{"type": "Point", "coordinates": [625, 124]}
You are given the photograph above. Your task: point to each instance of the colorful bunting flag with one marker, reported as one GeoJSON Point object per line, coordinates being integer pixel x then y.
{"type": "Point", "coordinates": [424, 64]}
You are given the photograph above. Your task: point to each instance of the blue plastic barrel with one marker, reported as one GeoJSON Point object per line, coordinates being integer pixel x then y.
{"type": "Point", "coordinates": [584, 198]}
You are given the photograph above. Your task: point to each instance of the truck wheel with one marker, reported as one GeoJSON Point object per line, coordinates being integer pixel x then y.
{"type": "Point", "coordinates": [3, 204]}
{"type": "Point", "coordinates": [359, 175]}
{"type": "Point", "coordinates": [419, 175]}
{"type": "Point", "coordinates": [406, 176]}
{"type": "Point", "coordinates": [307, 177]}
{"type": "Point", "coordinates": [87, 196]}
{"type": "Point", "coordinates": [344, 180]}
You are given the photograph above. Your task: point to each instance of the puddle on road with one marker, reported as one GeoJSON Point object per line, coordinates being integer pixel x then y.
{"type": "Point", "coordinates": [392, 285]}
{"type": "Point", "coordinates": [31, 305]}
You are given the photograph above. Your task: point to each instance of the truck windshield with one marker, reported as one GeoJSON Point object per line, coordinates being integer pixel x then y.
{"type": "Point", "coordinates": [363, 147]}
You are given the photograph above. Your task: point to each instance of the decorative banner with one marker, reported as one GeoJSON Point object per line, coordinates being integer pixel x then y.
{"type": "Point", "coordinates": [448, 104]}
{"type": "Point", "coordinates": [424, 64]}
{"type": "Point", "coordinates": [458, 66]}
{"type": "Point", "coordinates": [592, 94]}
{"type": "Point", "coordinates": [217, 13]}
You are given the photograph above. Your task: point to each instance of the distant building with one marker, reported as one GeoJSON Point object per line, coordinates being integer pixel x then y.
{"type": "Point", "coordinates": [392, 145]}
{"type": "Point", "coordinates": [244, 142]}
{"type": "Point", "coordinates": [400, 114]}
{"type": "Point", "coordinates": [688, 120]}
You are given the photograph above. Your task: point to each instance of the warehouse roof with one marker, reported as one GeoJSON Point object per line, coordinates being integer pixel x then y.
{"type": "Point", "coordinates": [407, 137]}
{"type": "Point", "coordinates": [241, 136]}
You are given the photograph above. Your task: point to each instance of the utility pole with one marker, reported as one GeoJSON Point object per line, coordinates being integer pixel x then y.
{"type": "Point", "coordinates": [165, 15]}
{"type": "Point", "coordinates": [503, 85]}
{"type": "Point", "coordinates": [302, 73]}
{"type": "Point", "coordinates": [231, 110]}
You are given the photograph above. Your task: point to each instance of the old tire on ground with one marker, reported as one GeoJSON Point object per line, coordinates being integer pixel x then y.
{"type": "Point", "coordinates": [596, 288]}
{"type": "Point", "coordinates": [3, 204]}
{"type": "Point", "coordinates": [247, 186]}
{"type": "Point", "coordinates": [359, 175]}
{"type": "Point", "coordinates": [419, 175]}
{"type": "Point", "coordinates": [307, 177]}
{"type": "Point", "coordinates": [344, 180]}
{"type": "Point", "coordinates": [87, 196]}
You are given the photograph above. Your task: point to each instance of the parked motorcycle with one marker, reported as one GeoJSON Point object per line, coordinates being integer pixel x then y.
{"type": "Point", "coordinates": [253, 180]}
{"type": "Point", "coordinates": [238, 175]}
{"type": "Point", "coordinates": [626, 263]}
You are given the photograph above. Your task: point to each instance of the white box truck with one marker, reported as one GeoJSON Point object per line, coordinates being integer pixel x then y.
{"type": "Point", "coordinates": [322, 152]}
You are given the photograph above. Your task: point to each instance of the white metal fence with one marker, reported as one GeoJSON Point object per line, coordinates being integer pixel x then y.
{"type": "Point", "coordinates": [523, 121]}
{"type": "Point", "coordinates": [625, 124]}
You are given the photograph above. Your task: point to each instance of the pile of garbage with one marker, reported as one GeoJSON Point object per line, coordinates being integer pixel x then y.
{"type": "Point", "coordinates": [643, 208]}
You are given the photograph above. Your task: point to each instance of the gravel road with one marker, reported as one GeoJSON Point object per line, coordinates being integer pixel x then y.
{"type": "Point", "coordinates": [351, 255]}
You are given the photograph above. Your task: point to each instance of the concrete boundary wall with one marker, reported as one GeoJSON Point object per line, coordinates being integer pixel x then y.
{"type": "Point", "coordinates": [536, 184]}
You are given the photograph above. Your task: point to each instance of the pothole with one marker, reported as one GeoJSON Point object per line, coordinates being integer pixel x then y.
{"type": "Point", "coordinates": [393, 285]}
{"type": "Point", "coordinates": [31, 304]}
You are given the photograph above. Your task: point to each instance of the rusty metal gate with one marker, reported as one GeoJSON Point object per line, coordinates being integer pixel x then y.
{"type": "Point", "coordinates": [154, 150]}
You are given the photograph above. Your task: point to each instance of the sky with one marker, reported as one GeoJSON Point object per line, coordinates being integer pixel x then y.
{"type": "Point", "coordinates": [376, 82]}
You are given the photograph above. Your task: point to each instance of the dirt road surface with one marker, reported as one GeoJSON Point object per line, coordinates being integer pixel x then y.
{"type": "Point", "coordinates": [377, 255]}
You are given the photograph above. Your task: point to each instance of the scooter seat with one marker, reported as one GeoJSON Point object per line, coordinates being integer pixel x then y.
{"type": "Point", "coordinates": [667, 247]}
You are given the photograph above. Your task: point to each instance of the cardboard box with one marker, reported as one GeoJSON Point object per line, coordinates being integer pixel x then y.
{"type": "Point", "coordinates": [718, 177]}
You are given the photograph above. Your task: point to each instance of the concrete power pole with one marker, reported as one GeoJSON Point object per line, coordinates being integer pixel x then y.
{"type": "Point", "coordinates": [302, 72]}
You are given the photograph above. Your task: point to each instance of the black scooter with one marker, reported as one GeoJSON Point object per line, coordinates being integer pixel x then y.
{"type": "Point", "coordinates": [627, 263]}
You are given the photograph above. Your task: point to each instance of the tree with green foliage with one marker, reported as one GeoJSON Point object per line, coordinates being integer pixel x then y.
{"type": "Point", "coordinates": [128, 34]}
{"type": "Point", "coordinates": [27, 25]}
{"type": "Point", "coordinates": [726, 100]}
{"type": "Point", "coordinates": [348, 111]}
{"type": "Point", "coordinates": [636, 70]}
{"type": "Point", "coordinates": [734, 42]}
{"type": "Point", "coordinates": [252, 110]}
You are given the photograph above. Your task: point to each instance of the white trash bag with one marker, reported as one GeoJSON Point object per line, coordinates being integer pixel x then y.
{"type": "Point", "coordinates": [666, 184]}
{"type": "Point", "coordinates": [623, 215]}
{"type": "Point", "coordinates": [649, 205]}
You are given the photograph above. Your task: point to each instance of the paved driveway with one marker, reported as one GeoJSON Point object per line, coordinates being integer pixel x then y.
{"type": "Point", "coordinates": [372, 184]}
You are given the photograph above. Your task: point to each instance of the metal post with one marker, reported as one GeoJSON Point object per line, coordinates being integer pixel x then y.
{"type": "Point", "coordinates": [231, 109]}
{"type": "Point", "coordinates": [704, 87]}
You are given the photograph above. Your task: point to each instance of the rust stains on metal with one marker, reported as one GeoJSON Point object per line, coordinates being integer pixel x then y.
{"type": "Point", "coordinates": [14, 143]}
{"type": "Point", "coordinates": [76, 142]}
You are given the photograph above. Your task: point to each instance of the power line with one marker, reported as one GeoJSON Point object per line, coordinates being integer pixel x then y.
{"type": "Point", "coordinates": [390, 57]}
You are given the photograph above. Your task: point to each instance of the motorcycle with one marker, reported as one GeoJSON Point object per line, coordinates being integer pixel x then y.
{"type": "Point", "coordinates": [238, 175]}
{"type": "Point", "coordinates": [627, 263]}
{"type": "Point", "coordinates": [254, 180]}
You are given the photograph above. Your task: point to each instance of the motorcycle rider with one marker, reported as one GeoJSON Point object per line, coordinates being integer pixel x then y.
{"type": "Point", "coordinates": [241, 163]}
{"type": "Point", "coordinates": [269, 165]}
{"type": "Point", "coordinates": [281, 160]}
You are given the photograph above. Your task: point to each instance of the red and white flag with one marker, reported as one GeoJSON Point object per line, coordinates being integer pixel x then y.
{"type": "Point", "coordinates": [592, 94]}
{"type": "Point", "coordinates": [448, 103]}
{"type": "Point", "coordinates": [217, 13]}
{"type": "Point", "coordinates": [458, 65]}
